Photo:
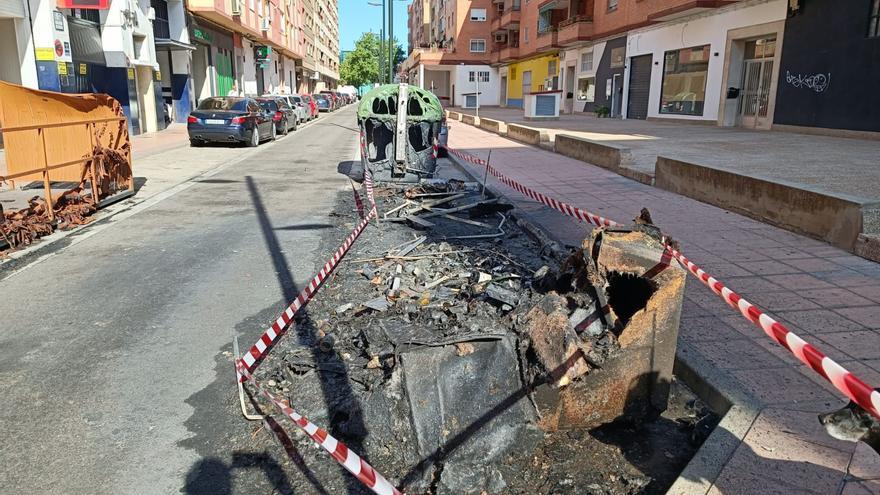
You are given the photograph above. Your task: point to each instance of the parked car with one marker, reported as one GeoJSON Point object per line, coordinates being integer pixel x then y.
{"type": "Point", "coordinates": [283, 116]}
{"type": "Point", "coordinates": [343, 99]}
{"type": "Point", "coordinates": [229, 120]}
{"type": "Point", "coordinates": [302, 108]}
{"type": "Point", "coordinates": [332, 98]}
{"type": "Point", "coordinates": [325, 104]}
{"type": "Point", "coordinates": [312, 105]}
{"type": "Point", "coordinates": [296, 103]}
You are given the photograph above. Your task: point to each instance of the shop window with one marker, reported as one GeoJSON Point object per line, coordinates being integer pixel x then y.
{"type": "Point", "coordinates": [478, 15]}
{"type": "Point", "coordinates": [586, 61]}
{"type": "Point", "coordinates": [684, 81]}
{"type": "Point", "coordinates": [874, 19]}
{"type": "Point", "coordinates": [478, 46]}
{"type": "Point", "coordinates": [587, 89]}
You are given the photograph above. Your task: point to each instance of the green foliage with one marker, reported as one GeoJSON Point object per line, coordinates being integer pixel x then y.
{"type": "Point", "coordinates": [603, 111]}
{"type": "Point", "coordinates": [361, 65]}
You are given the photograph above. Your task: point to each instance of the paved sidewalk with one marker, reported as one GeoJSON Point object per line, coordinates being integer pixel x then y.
{"type": "Point", "coordinates": [841, 165]}
{"type": "Point", "coordinates": [826, 295]}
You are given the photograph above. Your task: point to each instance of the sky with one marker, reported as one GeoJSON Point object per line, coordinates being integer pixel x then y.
{"type": "Point", "coordinates": [357, 17]}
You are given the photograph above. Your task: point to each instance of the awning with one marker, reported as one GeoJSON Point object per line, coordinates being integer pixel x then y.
{"type": "Point", "coordinates": [173, 45]}
{"type": "Point", "coordinates": [85, 42]}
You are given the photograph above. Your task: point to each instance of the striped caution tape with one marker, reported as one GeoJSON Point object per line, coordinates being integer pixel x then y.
{"type": "Point", "coordinates": [560, 206]}
{"type": "Point", "coordinates": [361, 470]}
{"type": "Point", "coordinates": [279, 327]}
{"type": "Point", "coordinates": [842, 379]}
{"type": "Point", "coordinates": [851, 386]}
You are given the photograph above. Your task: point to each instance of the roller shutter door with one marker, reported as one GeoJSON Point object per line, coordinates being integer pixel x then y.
{"type": "Point", "coordinates": [639, 87]}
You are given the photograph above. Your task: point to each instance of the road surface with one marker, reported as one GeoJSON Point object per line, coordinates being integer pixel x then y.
{"type": "Point", "coordinates": [112, 367]}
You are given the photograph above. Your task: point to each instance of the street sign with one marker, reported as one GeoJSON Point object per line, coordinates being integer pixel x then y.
{"type": "Point", "coordinates": [262, 53]}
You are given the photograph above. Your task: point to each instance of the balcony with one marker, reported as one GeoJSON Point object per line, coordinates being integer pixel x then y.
{"type": "Point", "coordinates": [547, 40]}
{"type": "Point", "coordinates": [508, 53]}
{"type": "Point", "coordinates": [575, 29]}
{"type": "Point", "coordinates": [510, 18]}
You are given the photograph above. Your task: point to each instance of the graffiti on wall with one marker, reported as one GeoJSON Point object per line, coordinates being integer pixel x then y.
{"type": "Point", "coordinates": [817, 82]}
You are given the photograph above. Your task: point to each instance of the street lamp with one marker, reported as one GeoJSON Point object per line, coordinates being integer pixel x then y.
{"type": "Point", "coordinates": [381, 40]}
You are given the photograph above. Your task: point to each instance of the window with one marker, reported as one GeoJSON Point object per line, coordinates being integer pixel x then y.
{"type": "Point", "coordinates": [586, 62]}
{"type": "Point", "coordinates": [483, 75]}
{"type": "Point", "coordinates": [612, 4]}
{"type": "Point", "coordinates": [478, 46]}
{"type": "Point", "coordinates": [478, 15]}
{"type": "Point", "coordinates": [874, 19]}
{"type": "Point", "coordinates": [512, 73]}
{"type": "Point", "coordinates": [551, 68]}
{"type": "Point", "coordinates": [618, 55]}
{"type": "Point", "coordinates": [684, 81]}
{"type": "Point", "coordinates": [526, 35]}
{"type": "Point", "coordinates": [587, 89]}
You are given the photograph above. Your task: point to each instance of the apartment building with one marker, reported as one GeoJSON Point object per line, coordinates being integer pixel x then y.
{"type": "Point", "coordinates": [451, 48]}
{"type": "Point", "coordinates": [76, 46]}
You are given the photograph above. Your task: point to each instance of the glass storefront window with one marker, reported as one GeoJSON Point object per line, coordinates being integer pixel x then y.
{"type": "Point", "coordinates": [587, 89]}
{"type": "Point", "coordinates": [684, 81]}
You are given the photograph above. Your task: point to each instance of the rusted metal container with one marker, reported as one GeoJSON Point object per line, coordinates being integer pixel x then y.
{"type": "Point", "coordinates": [638, 298]}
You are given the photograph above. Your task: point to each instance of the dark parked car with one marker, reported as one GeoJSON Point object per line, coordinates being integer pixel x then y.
{"type": "Point", "coordinates": [325, 104]}
{"type": "Point", "coordinates": [229, 120]}
{"type": "Point", "coordinates": [283, 115]}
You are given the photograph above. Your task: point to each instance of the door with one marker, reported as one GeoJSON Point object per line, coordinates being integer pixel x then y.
{"type": "Point", "coordinates": [503, 99]}
{"type": "Point", "coordinates": [526, 85]}
{"type": "Point", "coordinates": [755, 94]}
{"type": "Point", "coordinates": [639, 87]}
{"type": "Point", "coordinates": [617, 96]}
{"type": "Point", "coordinates": [569, 89]}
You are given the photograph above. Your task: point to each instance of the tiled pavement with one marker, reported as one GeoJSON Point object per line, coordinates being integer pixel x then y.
{"type": "Point", "coordinates": [827, 296]}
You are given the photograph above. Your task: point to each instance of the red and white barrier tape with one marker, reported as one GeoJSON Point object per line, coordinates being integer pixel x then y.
{"type": "Point", "coordinates": [560, 206]}
{"type": "Point", "coordinates": [257, 351]}
{"type": "Point", "coordinates": [252, 357]}
{"type": "Point", "coordinates": [851, 386]}
{"type": "Point", "coordinates": [371, 478]}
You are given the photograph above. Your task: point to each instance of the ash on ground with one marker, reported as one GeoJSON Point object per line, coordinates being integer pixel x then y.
{"type": "Point", "coordinates": [417, 354]}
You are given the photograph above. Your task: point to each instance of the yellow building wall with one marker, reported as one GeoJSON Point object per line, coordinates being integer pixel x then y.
{"type": "Point", "coordinates": [539, 68]}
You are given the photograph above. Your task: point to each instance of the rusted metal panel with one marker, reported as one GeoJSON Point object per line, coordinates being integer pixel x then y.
{"type": "Point", "coordinates": [627, 286]}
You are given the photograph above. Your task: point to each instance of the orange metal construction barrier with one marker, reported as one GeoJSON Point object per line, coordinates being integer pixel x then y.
{"type": "Point", "coordinates": [56, 137]}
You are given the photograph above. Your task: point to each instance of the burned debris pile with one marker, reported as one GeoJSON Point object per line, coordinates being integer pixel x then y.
{"type": "Point", "coordinates": [459, 356]}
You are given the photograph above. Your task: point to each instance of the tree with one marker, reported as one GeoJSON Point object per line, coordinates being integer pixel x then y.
{"type": "Point", "coordinates": [361, 65]}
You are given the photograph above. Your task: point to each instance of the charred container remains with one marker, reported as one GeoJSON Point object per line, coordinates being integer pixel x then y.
{"type": "Point", "coordinates": [400, 125]}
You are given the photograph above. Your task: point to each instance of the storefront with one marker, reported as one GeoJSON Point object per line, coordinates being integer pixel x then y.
{"type": "Point", "coordinates": [212, 60]}
{"type": "Point", "coordinates": [719, 66]}
{"type": "Point", "coordinates": [825, 85]}
{"type": "Point", "coordinates": [527, 76]}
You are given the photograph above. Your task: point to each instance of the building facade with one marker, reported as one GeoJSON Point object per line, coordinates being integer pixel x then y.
{"type": "Point", "coordinates": [830, 83]}
{"type": "Point", "coordinates": [451, 46]}
{"type": "Point", "coordinates": [755, 64]}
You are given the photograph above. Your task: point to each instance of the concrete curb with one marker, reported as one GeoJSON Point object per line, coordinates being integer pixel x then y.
{"type": "Point", "coordinates": [834, 218]}
{"type": "Point", "coordinates": [722, 394]}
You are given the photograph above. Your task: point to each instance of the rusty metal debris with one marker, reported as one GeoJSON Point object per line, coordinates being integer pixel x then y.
{"type": "Point", "coordinates": [71, 138]}
{"type": "Point", "coordinates": [473, 363]}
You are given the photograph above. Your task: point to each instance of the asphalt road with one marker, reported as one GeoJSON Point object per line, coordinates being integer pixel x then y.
{"type": "Point", "coordinates": [112, 367]}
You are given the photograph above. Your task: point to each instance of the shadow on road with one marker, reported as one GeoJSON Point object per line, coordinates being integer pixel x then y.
{"type": "Point", "coordinates": [346, 423]}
